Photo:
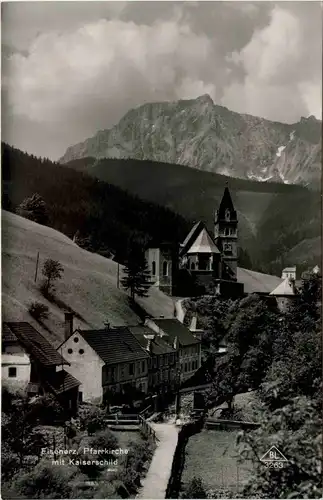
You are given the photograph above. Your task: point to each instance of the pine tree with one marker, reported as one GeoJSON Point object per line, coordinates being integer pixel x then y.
{"type": "Point", "coordinates": [137, 276]}
{"type": "Point", "coordinates": [34, 208]}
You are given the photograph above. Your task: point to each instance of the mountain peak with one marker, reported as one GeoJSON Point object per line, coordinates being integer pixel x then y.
{"type": "Point", "coordinates": [204, 99]}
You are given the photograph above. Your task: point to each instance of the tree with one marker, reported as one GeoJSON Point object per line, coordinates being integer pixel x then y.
{"type": "Point", "coordinates": [52, 270]}
{"type": "Point", "coordinates": [137, 278]}
{"type": "Point", "coordinates": [34, 208]}
{"type": "Point", "coordinates": [291, 395]}
{"type": "Point", "coordinates": [195, 489]}
{"type": "Point", "coordinates": [38, 310]}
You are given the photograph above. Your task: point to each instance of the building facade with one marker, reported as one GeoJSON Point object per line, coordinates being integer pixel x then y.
{"type": "Point", "coordinates": [107, 362]}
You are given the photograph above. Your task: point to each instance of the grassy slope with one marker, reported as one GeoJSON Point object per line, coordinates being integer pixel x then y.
{"type": "Point", "coordinates": [213, 456]}
{"type": "Point", "coordinates": [88, 285]}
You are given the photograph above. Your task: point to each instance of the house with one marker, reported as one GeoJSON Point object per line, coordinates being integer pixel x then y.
{"type": "Point", "coordinates": [180, 337]}
{"type": "Point", "coordinates": [289, 272]}
{"type": "Point", "coordinates": [31, 363]}
{"type": "Point", "coordinates": [15, 362]}
{"type": "Point", "coordinates": [107, 362]}
{"type": "Point", "coordinates": [163, 363]}
{"type": "Point", "coordinates": [284, 293]}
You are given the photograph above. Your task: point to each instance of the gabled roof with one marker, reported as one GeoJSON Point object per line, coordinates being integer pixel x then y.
{"type": "Point", "coordinates": [287, 287]}
{"type": "Point", "coordinates": [289, 270]}
{"type": "Point", "coordinates": [115, 345]}
{"type": "Point", "coordinates": [62, 381]}
{"type": "Point", "coordinates": [196, 229]}
{"type": "Point", "coordinates": [174, 328]}
{"type": "Point", "coordinates": [157, 345]}
{"type": "Point", "coordinates": [35, 344]}
{"type": "Point", "coordinates": [203, 244]}
{"type": "Point", "coordinates": [7, 335]}
{"type": "Point", "coordinates": [255, 282]}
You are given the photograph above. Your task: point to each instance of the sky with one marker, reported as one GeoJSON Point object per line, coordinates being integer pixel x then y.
{"type": "Point", "coordinates": [70, 69]}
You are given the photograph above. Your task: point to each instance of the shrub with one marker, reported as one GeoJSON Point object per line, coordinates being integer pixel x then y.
{"type": "Point", "coordinates": [92, 419]}
{"type": "Point", "coordinates": [104, 440]}
{"type": "Point", "coordinates": [38, 310]}
{"type": "Point", "coordinates": [45, 481]}
{"type": "Point", "coordinates": [195, 489]}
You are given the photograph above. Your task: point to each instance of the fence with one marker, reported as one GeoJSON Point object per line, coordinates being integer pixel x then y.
{"type": "Point", "coordinates": [147, 429]}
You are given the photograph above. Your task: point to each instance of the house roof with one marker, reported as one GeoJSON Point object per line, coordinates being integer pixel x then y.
{"type": "Point", "coordinates": [115, 345]}
{"type": "Point", "coordinates": [255, 282]}
{"type": "Point", "coordinates": [158, 345]}
{"type": "Point", "coordinates": [35, 344]}
{"type": "Point", "coordinates": [174, 328]}
{"type": "Point", "coordinates": [62, 382]}
{"type": "Point", "coordinates": [203, 244]}
{"type": "Point", "coordinates": [287, 287]}
{"type": "Point", "coordinates": [289, 270]}
{"type": "Point", "coordinates": [7, 335]}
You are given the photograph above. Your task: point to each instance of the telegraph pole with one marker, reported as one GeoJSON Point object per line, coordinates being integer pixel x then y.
{"type": "Point", "coordinates": [37, 261]}
{"type": "Point", "coordinates": [118, 275]}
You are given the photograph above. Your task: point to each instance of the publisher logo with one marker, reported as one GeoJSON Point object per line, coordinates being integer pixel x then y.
{"type": "Point", "coordinates": [274, 459]}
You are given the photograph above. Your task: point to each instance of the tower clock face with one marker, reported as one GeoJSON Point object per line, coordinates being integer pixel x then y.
{"type": "Point", "coordinates": [227, 247]}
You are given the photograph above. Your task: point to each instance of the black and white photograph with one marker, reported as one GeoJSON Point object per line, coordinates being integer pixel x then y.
{"type": "Point", "coordinates": [161, 250]}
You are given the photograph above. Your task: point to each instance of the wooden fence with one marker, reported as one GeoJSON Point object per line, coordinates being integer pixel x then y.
{"type": "Point", "coordinates": [147, 428]}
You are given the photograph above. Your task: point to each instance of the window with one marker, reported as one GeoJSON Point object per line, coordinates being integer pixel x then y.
{"type": "Point", "coordinates": [227, 214]}
{"type": "Point", "coordinates": [131, 369]}
{"type": "Point", "coordinates": [165, 268]}
{"type": "Point", "coordinates": [76, 339]}
{"type": "Point", "coordinates": [193, 266]}
{"type": "Point", "coordinates": [143, 366]}
{"type": "Point", "coordinates": [69, 351]}
{"type": "Point", "coordinates": [81, 351]}
{"type": "Point", "coordinates": [227, 247]}
{"type": "Point", "coordinates": [12, 371]}
{"type": "Point", "coordinates": [153, 268]}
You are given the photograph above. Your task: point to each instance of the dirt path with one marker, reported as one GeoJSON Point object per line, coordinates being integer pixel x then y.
{"type": "Point", "coordinates": [156, 480]}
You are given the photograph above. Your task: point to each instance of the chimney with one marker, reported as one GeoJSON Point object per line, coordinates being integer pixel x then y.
{"type": "Point", "coordinates": [149, 345]}
{"type": "Point", "coordinates": [175, 344]}
{"type": "Point", "coordinates": [68, 324]}
{"type": "Point", "coordinates": [193, 323]}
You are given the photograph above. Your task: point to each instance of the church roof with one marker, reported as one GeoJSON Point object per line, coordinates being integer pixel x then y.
{"type": "Point", "coordinates": [203, 244]}
{"type": "Point", "coordinates": [226, 203]}
{"type": "Point", "coordinates": [285, 288]}
{"type": "Point", "coordinates": [191, 236]}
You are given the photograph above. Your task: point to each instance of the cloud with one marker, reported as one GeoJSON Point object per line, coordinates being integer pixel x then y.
{"type": "Point", "coordinates": [282, 69]}
{"type": "Point", "coordinates": [82, 65]}
{"type": "Point", "coordinates": [104, 63]}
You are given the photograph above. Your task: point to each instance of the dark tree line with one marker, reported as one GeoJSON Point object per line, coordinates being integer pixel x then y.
{"type": "Point", "coordinates": [107, 218]}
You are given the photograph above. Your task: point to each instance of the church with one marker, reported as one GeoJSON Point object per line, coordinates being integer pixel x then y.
{"type": "Point", "coordinates": [204, 261]}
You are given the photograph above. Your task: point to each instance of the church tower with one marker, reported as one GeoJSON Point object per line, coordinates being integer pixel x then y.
{"type": "Point", "coordinates": [226, 235]}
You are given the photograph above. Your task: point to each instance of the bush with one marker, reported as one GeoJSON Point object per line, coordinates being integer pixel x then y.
{"type": "Point", "coordinates": [45, 481]}
{"type": "Point", "coordinates": [195, 489]}
{"type": "Point", "coordinates": [47, 410]}
{"type": "Point", "coordinates": [38, 310]}
{"type": "Point", "coordinates": [104, 439]}
{"type": "Point", "coordinates": [92, 419]}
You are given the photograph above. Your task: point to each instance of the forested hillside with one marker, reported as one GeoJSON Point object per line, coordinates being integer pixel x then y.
{"type": "Point", "coordinates": [273, 218]}
{"type": "Point", "coordinates": [104, 216]}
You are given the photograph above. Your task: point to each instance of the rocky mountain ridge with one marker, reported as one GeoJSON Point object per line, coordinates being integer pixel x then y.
{"type": "Point", "coordinates": [208, 137]}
